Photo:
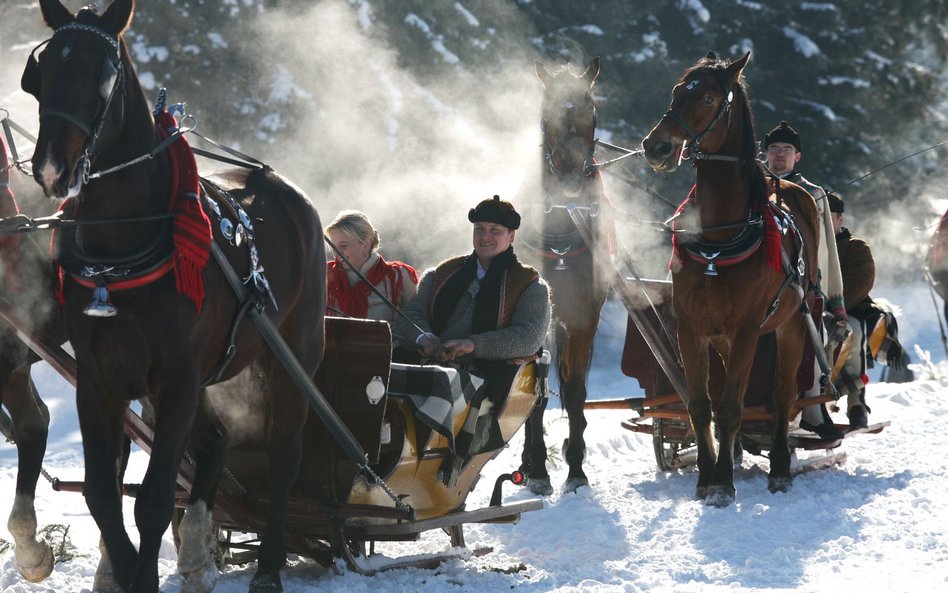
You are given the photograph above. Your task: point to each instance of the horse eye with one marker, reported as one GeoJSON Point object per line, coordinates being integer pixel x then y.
{"type": "Point", "coordinates": [708, 99]}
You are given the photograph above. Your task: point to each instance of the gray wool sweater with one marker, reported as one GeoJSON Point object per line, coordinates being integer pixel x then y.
{"type": "Point", "coordinates": [523, 337]}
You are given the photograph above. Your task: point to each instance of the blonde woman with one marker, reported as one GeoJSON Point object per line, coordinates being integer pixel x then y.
{"type": "Point", "coordinates": [354, 236]}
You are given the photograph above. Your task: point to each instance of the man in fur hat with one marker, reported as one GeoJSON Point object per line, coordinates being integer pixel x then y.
{"type": "Point", "coordinates": [784, 150]}
{"type": "Point", "coordinates": [483, 311]}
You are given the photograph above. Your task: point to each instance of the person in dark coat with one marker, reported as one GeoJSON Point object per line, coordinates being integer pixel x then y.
{"type": "Point", "coordinates": [784, 149]}
{"type": "Point", "coordinates": [865, 313]}
{"type": "Point", "coordinates": [484, 312]}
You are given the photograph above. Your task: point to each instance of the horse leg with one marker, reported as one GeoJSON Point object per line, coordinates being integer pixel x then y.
{"type": "Point", "coordinates": [105, 580]}
{"type": "Point", "coordinates": [533, 459]}
{"type": "Point", "coordinates": [34, 557]}
{"type": "Point", "coordinates": [284, 451]}
{"type": "Point", "coordinates": [738, 359]}
{"type": "Point", "coordinates": [175, 411]}
{"type": "Point", "coordinates": [196, 563]}
{"type": "Point", "coordinates": [790, 345]}
{"type": "Point", "coordinates": [574, 365]}
{"type": "Point", "coordinates": [100, 422]}
{"type": "Point", "coordinates": [694, 354]}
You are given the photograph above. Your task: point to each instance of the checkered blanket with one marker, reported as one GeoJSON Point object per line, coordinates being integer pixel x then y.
{"type": "Point", "coordinates": [436, 394]}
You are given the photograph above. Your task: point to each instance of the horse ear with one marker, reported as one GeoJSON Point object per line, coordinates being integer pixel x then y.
{"type": "Point", "coordinates": [735, 68]}
{"type": "Point", "coordinates": [543, 74]}
{"type": "Point", "coordinates": [118, 17]}
{"type": "Point", "coordinates": [592, 71]}
{"type": "Point", "coordinates": [55, 14]}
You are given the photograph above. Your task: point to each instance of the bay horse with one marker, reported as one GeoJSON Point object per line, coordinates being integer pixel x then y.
{"type": "Point", "coordinates": [26, 278]}
{"type": "Point", "coordinates": [726, 291]}
{"type": "Point", "coordinates": [578, 290]}
{"type": "Point", "coordinates": [148, 314]}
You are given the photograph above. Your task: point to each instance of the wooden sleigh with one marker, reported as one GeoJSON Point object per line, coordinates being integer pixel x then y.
{"type": "Point", "coordinates": [662, 414]}
{"type": "Point", "coordinates": [334, 511]}
{"type": "Point", "coordinates": [333, 505]}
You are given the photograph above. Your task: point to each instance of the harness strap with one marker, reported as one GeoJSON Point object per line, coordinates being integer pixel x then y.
{"type": "Point", "coordinates": [127, 283]}
{"type": "Point", "coordinates": [250, 299]}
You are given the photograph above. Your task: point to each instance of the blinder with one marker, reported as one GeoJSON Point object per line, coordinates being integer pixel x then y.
{"type": "Point", "coordinates": [31, 81]}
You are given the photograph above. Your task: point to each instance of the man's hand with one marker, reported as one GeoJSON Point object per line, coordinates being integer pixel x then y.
{"type": "Point", "coordinates": [430, 347]}
{"type": "Point", "coordinates": [456, 348]}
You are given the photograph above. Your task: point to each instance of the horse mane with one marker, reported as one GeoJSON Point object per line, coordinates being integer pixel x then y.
{"type": "Point", "coordinates": [715, 68]}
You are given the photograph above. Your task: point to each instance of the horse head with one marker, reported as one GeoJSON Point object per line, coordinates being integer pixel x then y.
{"type": "Point", "coordinates": [79, 78]}
{"type": "Point", "coordinates": [699, 116]}
{"type": "Point", "coordinates": [569, 126]}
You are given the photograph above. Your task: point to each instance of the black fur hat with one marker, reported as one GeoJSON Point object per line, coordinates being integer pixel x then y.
{"type": "Point", "coordinates": [497, 211]}
{"type": "Point", "coordinates": [835, 202]}
{"type": "Point", "coordinates": [783, 133]}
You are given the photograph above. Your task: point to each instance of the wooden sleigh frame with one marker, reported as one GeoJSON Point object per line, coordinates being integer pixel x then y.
{"type": "Point", "coordinates": [345, 521]}
{"type": "Point", "coordinates": [663, 414]}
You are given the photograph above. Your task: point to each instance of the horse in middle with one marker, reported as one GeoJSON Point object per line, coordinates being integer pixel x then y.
{"type": "Point", "coordinates": [149, 311]}
{"type": "Point", "coordinates": [569, 179]}
{"type": "Point", "coordinates": [741, 267]}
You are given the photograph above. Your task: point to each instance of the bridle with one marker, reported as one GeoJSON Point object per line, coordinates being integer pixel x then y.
{"type": "Point", "coordinates": [549, 152]}
{"type": "Point", "coordinates": [111, 79]}
{"type": "Point", "coordinates": [723, 112]}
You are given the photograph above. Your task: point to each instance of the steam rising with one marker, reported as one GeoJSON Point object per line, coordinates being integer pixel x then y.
{"type": "Point", "coordinates": [348, 121]}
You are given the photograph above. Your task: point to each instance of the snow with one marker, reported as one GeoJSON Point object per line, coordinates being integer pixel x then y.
{"type": "Point", "coordinates": [802, 43]}
{"type": "Point", "coordinates": [437, 41]}
{"type": "Point", "coordinates": [467, 14]}
{"type": "Point", "coordinates": [876, 523]}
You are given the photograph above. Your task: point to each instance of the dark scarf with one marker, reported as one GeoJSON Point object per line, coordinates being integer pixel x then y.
{"type": "Point", "coordinates": [843, 235]}
{"type": "Point", "coordinates": [487, 299]}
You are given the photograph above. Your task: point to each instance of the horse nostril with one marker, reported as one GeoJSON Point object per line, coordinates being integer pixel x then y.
{"type": "Point", "coordinates": [657, 148]}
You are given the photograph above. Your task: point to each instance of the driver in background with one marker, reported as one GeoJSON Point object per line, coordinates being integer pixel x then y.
{"type": "Point", "coordinates": [783, 148]}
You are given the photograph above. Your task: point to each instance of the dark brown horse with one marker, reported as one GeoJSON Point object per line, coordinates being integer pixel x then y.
{"type": "Point", "coordinates": [173, 321]}
{"type": "Point", "coordinates": [578, 290]}
{"type": "Point", "coordinates": [26, 293]}
{"type": "Point", "coordinates": [726, 293]}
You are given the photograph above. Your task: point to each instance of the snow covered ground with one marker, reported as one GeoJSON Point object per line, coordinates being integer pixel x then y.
{"type": "Point", "coordinates": [877, 523]}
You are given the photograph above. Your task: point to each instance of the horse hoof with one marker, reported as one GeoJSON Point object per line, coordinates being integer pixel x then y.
{"type": "Point", "coordinates": [574, 484]}
{"type": "Point", "coordinates": [105, 582]}
{"type": "Point", "coordinates": [540, 486]}
{"type": "Point", "coordinates": [782, 484]}
{"type": "Point", "coordinates": [38, 571]}
{"type": "Point", "coordinates": [720, 496]}
{"type": "Point", "coordinates": [266, 583]}
{"type": "Point", "coordinates": [701, 492]}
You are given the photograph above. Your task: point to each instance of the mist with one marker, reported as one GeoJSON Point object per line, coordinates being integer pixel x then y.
{"type": "Point", "coordinates": [328, 96]}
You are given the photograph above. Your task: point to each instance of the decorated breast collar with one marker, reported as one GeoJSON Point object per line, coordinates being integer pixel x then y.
{"type": "Point", "coordinates": [767, 223]}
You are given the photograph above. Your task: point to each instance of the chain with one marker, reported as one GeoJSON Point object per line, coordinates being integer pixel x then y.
{"type": "Point", "coordinates": [399, 503]}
